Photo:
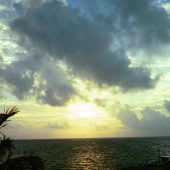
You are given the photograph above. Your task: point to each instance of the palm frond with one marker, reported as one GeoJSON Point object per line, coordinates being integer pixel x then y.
{"type": "Point", "coordinates": [6, 143]}
{"type": "Point", "coordinates": [12, 111]}
{"type": "Point", "coordinates": [7, 149]}
{"type": "Point", "coordinates": [8, 113]}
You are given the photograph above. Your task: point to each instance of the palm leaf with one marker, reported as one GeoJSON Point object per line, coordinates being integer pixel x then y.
{"type": "Point", "coordinates": [7, 149]}
{"type": "Point", "coordinates": [8, 113]}
{"type": "Point", "coordinates": [7, 144]}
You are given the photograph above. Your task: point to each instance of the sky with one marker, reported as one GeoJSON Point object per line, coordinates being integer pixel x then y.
{"type": "Point", "coordinates": [85, 69]}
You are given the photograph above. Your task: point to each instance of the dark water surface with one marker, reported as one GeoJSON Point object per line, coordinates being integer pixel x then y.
{"type": "Point", "coordinates": [93, 153]}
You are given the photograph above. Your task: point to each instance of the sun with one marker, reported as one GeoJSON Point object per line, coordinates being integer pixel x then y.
{"type": "Point", "coordinates": [85, 110]}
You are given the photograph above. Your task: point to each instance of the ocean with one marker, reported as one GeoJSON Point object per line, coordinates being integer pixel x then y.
{"type": "Point", "coordinates": [93, 154]}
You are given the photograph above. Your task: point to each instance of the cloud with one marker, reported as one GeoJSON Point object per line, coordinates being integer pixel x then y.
{"type": "Point", "coordinates": [86, 41]}
{"type": "Point", "coordinates": [14, 126]}
{"type": "Point", "coordinates": [32, 77]}
{"type": "Point", "coordinates": [144, 23]}
{"type": "Point", "coordinates": [167, 105]}
{"type": "Point", "coordinates": [101, 127]}
{"type": "Point", "coordinates": [91, 37]}
{"type": "Point", "coordinates": [151, 123]}
{"type": "Point", "coordinates": [57, 125]}
{"type": "Point", "coordinates": [137, 24]}
{"type": "Point", "coordinates": [30, 72]}
{"type": "Point", "coordinates": [165, 1]}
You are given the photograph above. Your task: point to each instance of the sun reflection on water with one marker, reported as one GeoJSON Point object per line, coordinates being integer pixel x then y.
{"type": "Point", "coordinates": [89, 156]}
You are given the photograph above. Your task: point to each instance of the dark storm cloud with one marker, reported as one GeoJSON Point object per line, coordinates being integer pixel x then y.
{"type": "Point", "coordinates": [138, 24]}
{"type": "Point", "coordinates": [58, 88]}
{"type": "Point", "coordinates": [165, 1]}
{"type": "Point", "coordinates": [152, 122]}
{"type": "Point", "coordinates": [52, 86]}
{"type": "Point", "coordinates": [145, 23]}
{"type": "Point", "coordinates": [92, 37]}
{"type": "Point", "coordinates": [17, 76]}
{"type": "Point", "coordinates": [167, 105]}
{"type": "Point", "coordinates": [91, 43]}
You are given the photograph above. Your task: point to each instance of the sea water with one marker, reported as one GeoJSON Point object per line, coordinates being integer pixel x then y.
{"type": "Point", "coordinates": [99, 154]}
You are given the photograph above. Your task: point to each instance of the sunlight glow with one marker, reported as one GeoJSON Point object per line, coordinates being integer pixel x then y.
{"type": "Point", "coordinates": [85, 110]}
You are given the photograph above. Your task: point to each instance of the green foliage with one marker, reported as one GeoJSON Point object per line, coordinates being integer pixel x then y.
{"type": "Point", "coordinates": [7, 149]}
{"type": "Point", "coordinates": [7, 114]}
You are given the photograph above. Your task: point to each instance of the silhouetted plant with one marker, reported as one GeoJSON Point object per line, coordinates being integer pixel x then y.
{"type": "Point", "coordinates": [7, 114]}
{"type": "Point", "coordinates": [8, 160]}
{"type": "Point", "coordinates": [7, 147]}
